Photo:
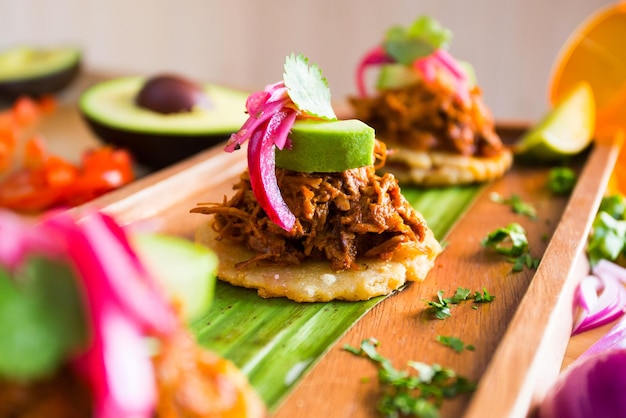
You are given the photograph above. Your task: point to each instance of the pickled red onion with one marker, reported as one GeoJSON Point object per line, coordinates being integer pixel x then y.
{"type": "Point", "coordinates": [122, 302]}
{"type": "Point", "coordinates": [376, 56]}
{"type": "Point", "coordinates": [600, 297]}
{"type": "Point", "coordinates": [271, 116]}
{"type": "Point", "coordinates": [427, 67]}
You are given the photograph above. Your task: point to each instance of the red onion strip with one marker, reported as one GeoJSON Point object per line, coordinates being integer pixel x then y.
{"type": "Point", "coordinates": [601, 297]}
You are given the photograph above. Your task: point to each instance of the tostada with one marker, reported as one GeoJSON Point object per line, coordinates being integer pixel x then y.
{"type": "Point", "coordinates": [429, 110]}
{"type": "Point", "coordinates": [310, 218]}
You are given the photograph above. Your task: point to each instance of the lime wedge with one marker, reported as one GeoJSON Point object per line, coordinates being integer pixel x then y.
{"type": "Point", "coordinates": [564, 131]}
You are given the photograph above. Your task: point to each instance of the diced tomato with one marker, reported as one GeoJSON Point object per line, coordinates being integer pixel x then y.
{"type": "Point", "coordinates": [59, 173]}
{"type": "Point", "coordinates": [43, 181]}
{"type": "Point", "coordinates": [35, 153]}
{"type": "Point", "coordinates": [26, 191]}
{"type": "Point", "coordinates": [103, 170]}
{"type": "Point", "coordinates": [8, 142]}
{"type": "Point", "coordinates": [25, 111]}
{"type": "Point", "coordinates": [47, 104]}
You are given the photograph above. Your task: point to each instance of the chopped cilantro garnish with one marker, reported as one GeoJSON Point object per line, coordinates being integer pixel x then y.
{"type": "Point", "coordinates": [483, 297]}
{"type": "Point", "coordinates": [561, 180]}
{"type": "Point", "coordinates": [607, 238]}
{"type": "Point", "coordinates": [516, 203]}
{"type": "Point", "coordinates": [460, 295]}
{"type": "Point", "coordinates": [409, 394]}
{"type": "Point", "coordinates": [454, 343]}
{"type": "Point", "coordinates": [440, 308]}
{"type": "Point", "coordinates": [524, 260]}
{"type": "Point", "coordinates": [614, 205]}
{"type": "Point", "coordinates": [510, 240]}
{"type": "Point", "coordinates": [307, 88]}
{"type": "Point", "coordinates": [421, 39]}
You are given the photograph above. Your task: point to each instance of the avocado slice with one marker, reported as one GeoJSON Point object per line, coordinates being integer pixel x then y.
{"type": "Point", "coordinates": [156, 139]}
{"type": "Point", "coordinates": [185, 270]}
{"type": "Point", "coordinates": [394, 76]}
{"type": "Point", "coordinates": [327, 146]}
{"type": "Point", "coordinates": [37, 71]}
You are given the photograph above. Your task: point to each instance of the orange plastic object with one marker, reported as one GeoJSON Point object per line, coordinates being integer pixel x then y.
{"type": "Point", "coordinates": [596, 52]}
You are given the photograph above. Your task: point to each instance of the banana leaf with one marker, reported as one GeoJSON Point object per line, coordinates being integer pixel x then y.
{"type": "Point", "coordinates": [276, 341]}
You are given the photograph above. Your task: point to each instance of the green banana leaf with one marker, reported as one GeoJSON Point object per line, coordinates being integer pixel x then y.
{"type": "Point", "coordinates": [276, 341]}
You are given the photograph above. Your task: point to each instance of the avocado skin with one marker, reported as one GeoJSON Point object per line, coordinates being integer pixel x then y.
{"type": "Point", "coordinates": [155, 151]}
{"type": "Point", "coordinates": [157, 140]}
{"type": "Point", "coordinates": [41, 85]}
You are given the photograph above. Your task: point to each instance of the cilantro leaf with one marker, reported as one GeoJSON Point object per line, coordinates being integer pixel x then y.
{"type": "Point", "coordinates": [453, 342]}
{"type": "Point", "coordinates": [483, 297]}
{"type": "Point", "coordinates": [421, 39]}
{"type": "Point", "coordinates": [307, 88]}
{"type": "Point", "coordinates": [510, 240]}
{"type": "Point", "coordinates": [460, 295]}
{"type": "Point", "coordinates": [516, 203]}
{"type": "Point", "coordinates": [607, 238]}
{"type": "Point", "coordinates": [41, 320]}
{"type": "Point", "coordinates": [561, 180]}
{"type": "Point", "coordinates": [614, 205]}
{"type": "Point", "coordinates": [440, 308]}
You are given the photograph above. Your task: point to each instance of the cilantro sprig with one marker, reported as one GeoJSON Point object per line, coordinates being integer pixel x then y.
{"type": "Point", "coordinates": [511, 241]}
{"type": "Point", "coordinates": [607, 239]}
{"type": "Point", "coordinates": [454, 343]}
{"type": "Point", "coordinates": [516, 203]}
{"type": "Point", "coordinates": [307, 87]}
{"type": "Point", "coordinates": [419, 391]}
{"type": "Point", "coordinates": [440, 308]}
{"type": "Point", "coordinates": [418, 40]}
{"type": "Point", "coordinates": [561, 180]}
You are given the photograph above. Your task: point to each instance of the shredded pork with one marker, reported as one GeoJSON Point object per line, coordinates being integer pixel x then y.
{"type": "Point", "coordinates": [62, 395]}
{"type": "Point", "coordinates": [428, 116]}
{"type": "Point", "coordinates": [339, 217]}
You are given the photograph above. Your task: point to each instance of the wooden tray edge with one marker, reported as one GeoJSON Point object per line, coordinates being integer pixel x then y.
{"type": "Point", "coordinates": [527, 361]}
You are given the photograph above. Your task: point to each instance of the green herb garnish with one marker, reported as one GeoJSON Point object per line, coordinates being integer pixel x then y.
{"type": "Point", "coordinates": [440, 308]}
{"type": "Point", "coordinates": [454, 343]}
{"type": "Point", "coordinates": [524, 260]}
{"type": "Point", "coordinates": [607, 238]}
{"type": "Point", "coordinates": [421, 39]}
{"type": "Point", "coordinates": [516, 203]}
{"type": "Point", "coordinates": [483, 297]}
{"type": "Point", "coordinates": [41, 319]}
{"type": "Point", "coordinates": [420, 394]}
{"type": "Point", "coordinates": [561, 180]}
{"type": "Point", "coordinates": [307, 88]}
{"type": "Point", "coordinates": [510, 240]}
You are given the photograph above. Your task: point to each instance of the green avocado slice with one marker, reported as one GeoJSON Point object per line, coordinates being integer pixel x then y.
{"type": "Point", "coordinates": [26, 70]}
{"type": "Point", "coordinates": [185, 270]}
{"type": "Point", "coordinates": [328, 146]}
{"type": "Point", "coordinates": [112, 103]}
{"type": "Point", "coordinates": [394, 76]}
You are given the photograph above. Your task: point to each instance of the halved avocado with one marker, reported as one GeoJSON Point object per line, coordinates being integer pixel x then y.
{"type": "Point", "coordinates": [157, 139]}
{"type": "Point", "coordinates": [37, 71]}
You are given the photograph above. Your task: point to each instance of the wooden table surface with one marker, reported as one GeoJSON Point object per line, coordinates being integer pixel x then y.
{"type": "Point", "coordinates": [67, 135]}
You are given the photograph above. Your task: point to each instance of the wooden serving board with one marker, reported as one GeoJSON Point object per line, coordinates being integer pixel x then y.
{"type": "Point", "coordinates": [521, 338]}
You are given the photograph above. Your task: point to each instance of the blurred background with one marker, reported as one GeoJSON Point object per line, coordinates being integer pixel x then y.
{"type": "Point", "coordinates": [511, 43]}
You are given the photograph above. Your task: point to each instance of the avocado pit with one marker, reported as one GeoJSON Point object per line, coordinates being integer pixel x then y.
{"type": "Point", "coordinates": [169, 93]}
